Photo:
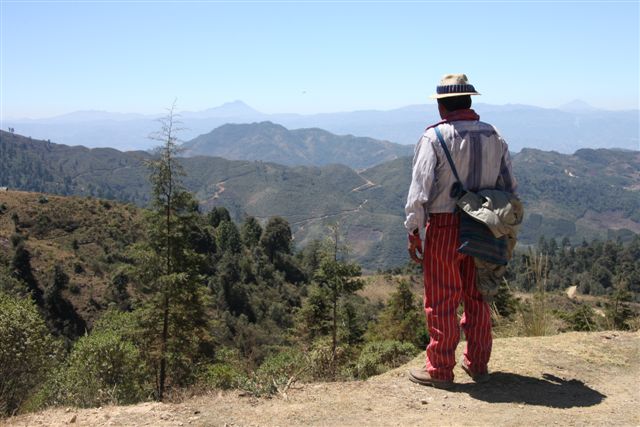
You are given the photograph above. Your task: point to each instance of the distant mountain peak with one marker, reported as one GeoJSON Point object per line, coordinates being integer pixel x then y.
{"type": "Point", "coordinates": [577, 105]}
{"type": "Point", "coordinates": [235, 108]}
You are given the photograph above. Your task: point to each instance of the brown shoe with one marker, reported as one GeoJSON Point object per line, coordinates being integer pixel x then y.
{"type": "Point", "coordinates": [422, 377]}
{"type": "Point", "coordinates": [476, 377]}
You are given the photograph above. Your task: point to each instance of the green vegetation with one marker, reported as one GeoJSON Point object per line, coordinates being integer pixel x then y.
{"type": "Point", "coordinates": [104, 367]}
{"type": "Point", "coordinates": [589, 195]}
{"type": "Point", "coordinates": [108, 303]}
{"type": "Point", "coordinates": [596, 268]}
{"type": "Point", "coordinates": [271, 142]}
{"type": "Point", "coordinates": [27, 351]}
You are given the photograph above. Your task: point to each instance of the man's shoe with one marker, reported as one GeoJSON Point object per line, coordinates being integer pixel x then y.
{"type": "Point", "coordinates": [422, 377]}
{"type": "Point", "coordinates": [476, 377]}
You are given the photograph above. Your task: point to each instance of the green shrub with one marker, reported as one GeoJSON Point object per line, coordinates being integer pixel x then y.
{"type": "Point", "coordinates": [402, 319]}
{"type": "Point", "coordinates": [27, 351]}
{"type": "Point", "coordinates": [104, 367]}
{"type": "Point", "coordinates": [225, 372]}
{"type": "Point", "coordinates": [277, 373]}
{"type": "Point", "coordinates": [321, 363]}
{"type": "Point", "coordinates": [581, 318]}
{"type": "Point", "coordinates": [380, 356]}
{"type": "Point", "coordinates": [221, 375]}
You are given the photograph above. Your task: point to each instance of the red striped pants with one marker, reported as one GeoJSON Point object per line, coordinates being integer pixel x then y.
{"type": "Point", "coordinates": [449, 278]}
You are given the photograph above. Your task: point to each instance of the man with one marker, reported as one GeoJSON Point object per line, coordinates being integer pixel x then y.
{"type": "Point", "coordinates": [482, 160]}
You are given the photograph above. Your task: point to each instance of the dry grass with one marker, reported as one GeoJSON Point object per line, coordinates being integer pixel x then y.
{"type": "Point", "coordinates": [101, 228]}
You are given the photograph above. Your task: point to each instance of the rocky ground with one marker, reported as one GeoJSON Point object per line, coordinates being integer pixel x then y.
{"type": "Point", "coordinates": [568, 379]}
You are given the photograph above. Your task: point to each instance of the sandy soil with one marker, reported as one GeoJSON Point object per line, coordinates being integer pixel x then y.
{"type": "Point", "coordinates": [569, 379]}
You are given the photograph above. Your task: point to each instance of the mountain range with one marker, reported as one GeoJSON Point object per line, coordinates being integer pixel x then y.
{"type": "Point", "coordinates": [565, 129]}
{"type": "Point", "coordinates": [590, 194]}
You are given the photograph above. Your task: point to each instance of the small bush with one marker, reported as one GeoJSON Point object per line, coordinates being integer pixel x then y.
{"type": "Point", "coordinates": [380, 356]}
{"type": "Point", "coordinates": [580, 319]}
{"type": "Point", "coordinates": [221, 376]}
{"type": "Point", "coordinates": [16, 239]}
{"type": "Point", "coordinates": [225, 373]}
{"type": "Point", "coordinates": [27, 351]}
{"type": "Point", "coordinates": [321, 363]}
{"type": "Point", "coordinates": [43, 200]}
{"type": "Point", "coordinates": [277, 373]}
{"type": "Point", "coordinates": [104, 367]}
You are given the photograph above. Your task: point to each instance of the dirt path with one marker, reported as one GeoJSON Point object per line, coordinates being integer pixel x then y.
{"type": "Point", "coordinates": [367, 185]}
{"type": "Point", "coordinates": [568, 379]}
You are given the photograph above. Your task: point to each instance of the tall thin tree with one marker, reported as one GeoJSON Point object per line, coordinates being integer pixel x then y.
{"type": "Point", "coordinates": [340, 278]}
{"type": "Point", "coordinates": [171, 267]}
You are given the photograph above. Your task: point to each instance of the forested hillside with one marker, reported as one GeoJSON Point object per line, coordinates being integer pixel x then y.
{"type": "Point", "coordinates": [103, 302]}
{"type": "Point", "coordinates": [271, 142]}
{"type": "Point", "coordinates": [591, 194]}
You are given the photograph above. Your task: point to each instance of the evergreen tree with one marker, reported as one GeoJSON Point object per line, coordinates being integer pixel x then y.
{"type": "Point", "coordinates": [339, 279]}
{"type": "Point", "coordinates": [276, 238]}
{"type": "Point", "coordinates": [251, 232]}
{"type": "Point", "coordinates": [217, 215]}
{"type": "Point", "coordinates": [170, 266]}
{"type": "Point", "coordinates": [60, 314]}
{"type": "Point", "coordinates": [21, 266]}
{"type": "Point", "coordinates": [119, 294]}
{"type": "Point", "coordinates": [228, 238]}
{"type": "Point", "coordinates": [617, 310]}
{"type": "Point", "coordinates": [403, 318]}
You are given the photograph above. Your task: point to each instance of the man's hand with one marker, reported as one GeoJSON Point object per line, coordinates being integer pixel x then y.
{"type": "Point", "coordinates": [415, 247]}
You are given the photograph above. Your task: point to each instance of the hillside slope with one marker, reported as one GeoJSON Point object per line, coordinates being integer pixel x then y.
{"type": "Point", "coordinates": [569, 379]}
{"type": "Point", "coordinates": [591, 194]}
{"type": "Point", "coordinates": [271, 142]}
{"type": "Point", "coordinates": [86, 237]}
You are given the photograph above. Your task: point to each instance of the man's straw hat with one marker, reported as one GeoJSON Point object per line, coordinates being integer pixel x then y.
{"type": "Point", "coordinates": [454, 85]}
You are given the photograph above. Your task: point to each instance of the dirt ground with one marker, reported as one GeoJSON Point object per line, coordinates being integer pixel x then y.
{"type": "Point", "coordinates": [571, 379]}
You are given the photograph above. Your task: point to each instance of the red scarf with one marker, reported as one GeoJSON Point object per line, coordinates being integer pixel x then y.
{"type": "Point", "coordinates": [466, 114]}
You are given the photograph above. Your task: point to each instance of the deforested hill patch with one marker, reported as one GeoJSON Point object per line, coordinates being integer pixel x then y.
{"type": "Point", "coordinates": [271, 142]}
{"type": "Point", "coordinates": [84, 239]}
{"type": "Point", "coordinates": [591, 194]}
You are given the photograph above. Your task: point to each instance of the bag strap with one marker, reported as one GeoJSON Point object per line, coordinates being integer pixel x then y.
{"type": "Point", "coordinates": [446, 153]}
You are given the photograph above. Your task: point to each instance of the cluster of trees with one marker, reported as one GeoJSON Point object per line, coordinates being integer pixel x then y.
{"type": "Point", "coordinates": [596, 268]}
{"type": "Point", "coordinates": [199, 300]}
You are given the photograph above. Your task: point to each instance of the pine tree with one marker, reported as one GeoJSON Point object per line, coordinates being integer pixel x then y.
{"type": "Point", "coordinates": [21, 266]}
{"type": "Point", "coordinates": [169, 265]}
{"type": "Point", "coordinates": [402, 319]}
{"type": "Point", "coordinates": [276, 238]}
{"type": "Point", "coordinates": [251, 232]}
{"type": "Point", "coordinates": [62, 318]}
{"type": "Point", "coordinates": [340, 279]}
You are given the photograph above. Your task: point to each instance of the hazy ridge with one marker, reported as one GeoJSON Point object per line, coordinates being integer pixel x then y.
{"type": "Point", "coordinates": [564, 129]}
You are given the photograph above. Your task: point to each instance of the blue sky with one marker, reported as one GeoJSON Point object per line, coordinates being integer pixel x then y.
{"type": "Point", "coordinates": [124, 56]}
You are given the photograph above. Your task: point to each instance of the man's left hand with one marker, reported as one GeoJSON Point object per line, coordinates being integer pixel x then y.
{"type": "Point", "coordinates": [415, 248]}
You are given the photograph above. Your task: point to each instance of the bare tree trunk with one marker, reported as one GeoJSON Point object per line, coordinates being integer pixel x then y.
{"type": "Point", "coordinates": [334, 344]}
{"type": "Point", "coordinates": [163, 349]}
